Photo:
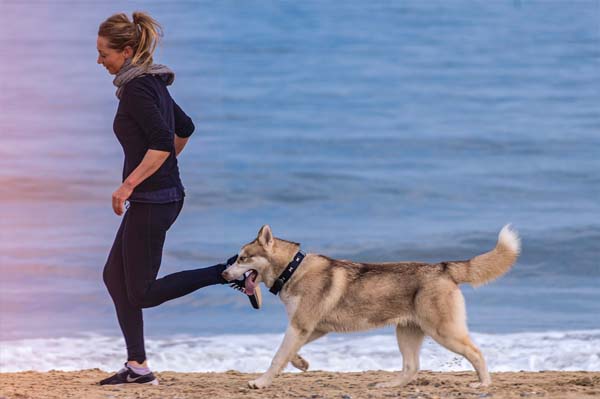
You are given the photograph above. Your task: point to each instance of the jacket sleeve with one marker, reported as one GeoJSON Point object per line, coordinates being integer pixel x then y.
{"type": "Point", "coordinates": [184, 127]}
{"type": "Point", "coordinates": [140, 101]}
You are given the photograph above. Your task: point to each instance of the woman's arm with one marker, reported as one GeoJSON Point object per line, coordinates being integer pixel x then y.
{"type": "Point", "coordinates": [184, 127]}
{"type": "Point", "coordinates": [180, 143]}
{"type": "Point", "coordinates": [150, 164]}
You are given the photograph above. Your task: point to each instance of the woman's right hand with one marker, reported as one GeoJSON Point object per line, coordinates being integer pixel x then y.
{"type": "Point", "coordinates": [119, 197]}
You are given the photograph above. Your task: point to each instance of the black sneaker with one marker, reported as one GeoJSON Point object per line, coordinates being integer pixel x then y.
{"type": "Point", "coordinates": [255, 296]}
{"type": "Point", "coordinates": [128, 376]}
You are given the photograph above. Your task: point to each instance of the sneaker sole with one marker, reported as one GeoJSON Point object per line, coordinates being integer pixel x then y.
{"type": "Point", "coordinates": [153, 382]}
{"type": "Point", "coordinates": [256, 299]}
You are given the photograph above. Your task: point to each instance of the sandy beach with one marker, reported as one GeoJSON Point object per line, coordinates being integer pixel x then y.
{"type": "Point", "coordinates": [314, 385]}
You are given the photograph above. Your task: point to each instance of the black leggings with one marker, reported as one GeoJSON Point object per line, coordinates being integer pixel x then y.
{"type": "Point", "coordinates": [132, 266]}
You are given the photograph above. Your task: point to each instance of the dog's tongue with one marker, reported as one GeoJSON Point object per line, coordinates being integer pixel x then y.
{"type": "Point", "coordinates": [250, 284]}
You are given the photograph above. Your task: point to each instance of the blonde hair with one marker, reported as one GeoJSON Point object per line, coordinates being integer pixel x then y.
{"type": "Point", "coordinates": [142, 35]}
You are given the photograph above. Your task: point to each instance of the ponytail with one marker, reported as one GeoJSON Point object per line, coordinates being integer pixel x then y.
{"type": "Point", "coordinates": [149, 34]}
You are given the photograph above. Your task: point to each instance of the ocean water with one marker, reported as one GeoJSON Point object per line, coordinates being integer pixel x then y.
{"type": "Point", "coordinates": [251, 353]}
{"type": "Point", "coordinates": [375, 132]}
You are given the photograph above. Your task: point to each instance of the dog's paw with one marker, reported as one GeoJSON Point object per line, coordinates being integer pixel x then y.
{"type": "Point", "coordinates": [480, 384]}
{"type": "Point", "coordinates": [259, 383]}
{"type": "Point", "coordinates": [300, 363]}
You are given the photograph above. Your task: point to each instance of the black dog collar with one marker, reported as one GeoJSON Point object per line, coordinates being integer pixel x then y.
{"type": "Point", "coordinates": [287, 273]}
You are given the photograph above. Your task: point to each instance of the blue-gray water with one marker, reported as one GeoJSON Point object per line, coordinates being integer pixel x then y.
{"type": "Point", "coordinates": [364, 130]}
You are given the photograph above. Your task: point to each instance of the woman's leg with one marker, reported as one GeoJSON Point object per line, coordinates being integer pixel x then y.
{"type": "Point", "coordinates": [144, 235]}
{"type": "Point", "coordinates": [140, 238]}
{"type": "Point", "coordinates": [129, 317]}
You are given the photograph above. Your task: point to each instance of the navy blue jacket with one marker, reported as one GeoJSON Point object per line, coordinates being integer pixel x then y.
{"type": "Point", "coordinates": [147, 119]}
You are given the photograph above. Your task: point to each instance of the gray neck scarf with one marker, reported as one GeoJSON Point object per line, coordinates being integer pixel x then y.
{"type": "Point", "coordinates": [129, 71]}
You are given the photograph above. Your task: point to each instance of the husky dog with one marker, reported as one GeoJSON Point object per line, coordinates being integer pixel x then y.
{"type": "Point", "coordinates": [327, 295]}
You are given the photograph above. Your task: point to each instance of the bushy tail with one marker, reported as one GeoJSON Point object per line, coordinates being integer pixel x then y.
{"type": "Point", "coordinates": [490, 265]}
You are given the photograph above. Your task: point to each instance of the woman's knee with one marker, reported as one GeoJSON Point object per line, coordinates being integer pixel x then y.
{"type": "Point", "coordinates": [107, 275]}
{"type": "Point", "coordinates": [112, 274]}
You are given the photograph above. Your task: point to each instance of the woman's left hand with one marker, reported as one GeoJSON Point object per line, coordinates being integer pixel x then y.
{"type": "Point", "coordinates": [119, 197]}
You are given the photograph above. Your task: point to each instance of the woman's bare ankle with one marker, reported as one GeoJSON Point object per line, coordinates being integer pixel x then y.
{"type": "Point", "coordinates": [134, 363]}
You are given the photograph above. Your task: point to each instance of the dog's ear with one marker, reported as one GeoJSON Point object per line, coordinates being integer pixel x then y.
{"type": "Point", "coordinates": [265, 236]}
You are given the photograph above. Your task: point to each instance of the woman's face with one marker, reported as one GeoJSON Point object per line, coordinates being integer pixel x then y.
{"type": "Point", "coordinates": [112, 59]}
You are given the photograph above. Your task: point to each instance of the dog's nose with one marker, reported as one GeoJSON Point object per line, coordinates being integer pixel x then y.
{"type": "Point", "coordinates": [225, 275]}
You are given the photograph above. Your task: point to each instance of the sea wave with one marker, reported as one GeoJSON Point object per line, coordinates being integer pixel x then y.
{"type": "Point", "coordinates": [530, 351]}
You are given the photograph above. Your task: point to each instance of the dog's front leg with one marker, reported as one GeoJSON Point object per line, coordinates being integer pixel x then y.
{"type": "Point", "coordinates": [292, 341]}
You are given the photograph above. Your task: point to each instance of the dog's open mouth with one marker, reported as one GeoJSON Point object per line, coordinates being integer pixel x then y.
{"type": "Point", "coordinates": [250, 282]}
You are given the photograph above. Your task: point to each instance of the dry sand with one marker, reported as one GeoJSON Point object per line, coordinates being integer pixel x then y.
{"type": "Point", "coordinates": [312, 384]}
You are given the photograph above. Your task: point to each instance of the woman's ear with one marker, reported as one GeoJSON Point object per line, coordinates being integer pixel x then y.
{"type": "Point", "coordinates": [128, 52]}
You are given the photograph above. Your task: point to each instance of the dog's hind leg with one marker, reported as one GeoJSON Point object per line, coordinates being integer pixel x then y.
{"type": "Point", "coordinates": [292, 342]}
{"type": "Point", "coordinates": [462, 344]}
{"type": "Point", "coordinates": [443, 318]}
{"type": "Point", "coordinates": [410, 338]}
{"type": "Point", "coordinates": [298, 361]}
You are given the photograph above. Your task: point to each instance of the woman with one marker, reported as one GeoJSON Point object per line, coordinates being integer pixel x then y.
{"type": "Point", "coordinates": [153, 130]}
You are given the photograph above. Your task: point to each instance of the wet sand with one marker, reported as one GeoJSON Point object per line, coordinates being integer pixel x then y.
{"type": "Point", "coordinates": [312, 384]}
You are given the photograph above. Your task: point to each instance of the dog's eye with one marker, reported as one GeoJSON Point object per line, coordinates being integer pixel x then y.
{"type": "Point", "coordinates": [244, 258]}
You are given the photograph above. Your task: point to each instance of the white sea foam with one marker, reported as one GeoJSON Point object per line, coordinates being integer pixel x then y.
{"type": "Point", "coordinates": [569, 350]}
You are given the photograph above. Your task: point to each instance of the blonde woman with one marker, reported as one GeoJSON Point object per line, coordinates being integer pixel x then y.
{"type": "Point", "coordinates": [153, 130]}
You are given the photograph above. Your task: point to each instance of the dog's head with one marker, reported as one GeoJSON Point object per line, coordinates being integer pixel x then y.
{"type": "Point", "coordinates": [264, 258]}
